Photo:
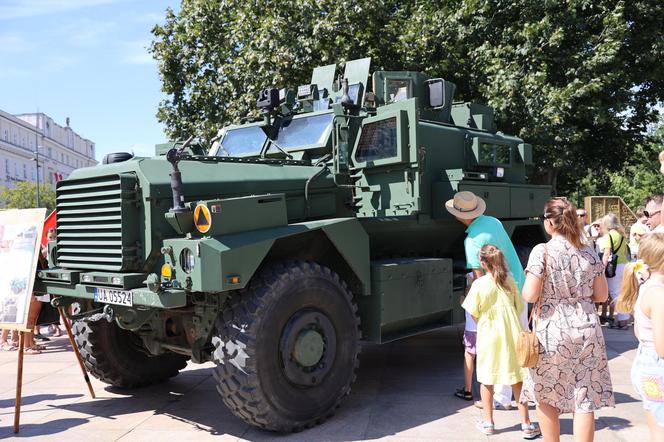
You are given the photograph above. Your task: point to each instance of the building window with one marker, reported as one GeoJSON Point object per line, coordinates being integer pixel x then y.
{"type": "Point", "coordinates": [6, 135]}
{"type": "Point", "coordinates": [7, 166]}
{"type": "Point", "coordinates": [16, 169]}
{"type": "Point", "coordinates": [50, 178]}
{"type": "Point", "coordinates": [50, 152]}
{"type": "Point", "coordinates": [25, 171]}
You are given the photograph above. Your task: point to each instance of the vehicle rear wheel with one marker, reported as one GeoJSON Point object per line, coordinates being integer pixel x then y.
{"type": "Point", "coordinates": [287, 346]}
{"type": "Point", "coordinates": [113, 355]}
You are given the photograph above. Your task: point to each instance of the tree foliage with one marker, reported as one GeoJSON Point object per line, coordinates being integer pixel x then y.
{"type": "Point", "coordinates": [24, 196]}
{"type": "Point", "coordinates": [577, 79]}
{"type": "Point", "coordinates": [637, 178]}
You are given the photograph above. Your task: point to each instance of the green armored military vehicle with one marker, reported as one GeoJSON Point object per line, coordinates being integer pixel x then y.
{"type": "Point", "coordinates": [294, 238]}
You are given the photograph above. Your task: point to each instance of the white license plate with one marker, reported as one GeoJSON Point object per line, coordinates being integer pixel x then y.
{"type": "Point", "coordinates": [117, 297]}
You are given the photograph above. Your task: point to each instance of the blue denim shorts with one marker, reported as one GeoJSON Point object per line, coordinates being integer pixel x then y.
{"type": "Point", "coordinates": [648, 381]}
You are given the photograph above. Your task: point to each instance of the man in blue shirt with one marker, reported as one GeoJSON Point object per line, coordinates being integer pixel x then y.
{"type": "Point", "coordinates": [482, 229]}
{"type": "Point", "coordinates": [468, 209]}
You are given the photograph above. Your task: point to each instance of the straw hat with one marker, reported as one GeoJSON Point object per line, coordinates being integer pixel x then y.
{"type": "Point", "coordinates": [466, 205]}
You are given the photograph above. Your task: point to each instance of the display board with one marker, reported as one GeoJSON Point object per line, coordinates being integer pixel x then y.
{"type": "Point", "coordinates": [598, 206]}
{"type": "Point", "coordinates": [20, 245]}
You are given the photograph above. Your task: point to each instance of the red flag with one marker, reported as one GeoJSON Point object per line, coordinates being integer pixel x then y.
{"type": "Point", "coordinates": [49, 222]}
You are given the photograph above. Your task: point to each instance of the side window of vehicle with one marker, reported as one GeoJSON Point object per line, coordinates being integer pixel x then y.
{"type": "Point", "coordinates": [377, 141]}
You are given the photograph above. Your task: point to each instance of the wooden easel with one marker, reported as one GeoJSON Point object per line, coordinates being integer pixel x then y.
{"type": "Point", "coordinates": [19, 375]}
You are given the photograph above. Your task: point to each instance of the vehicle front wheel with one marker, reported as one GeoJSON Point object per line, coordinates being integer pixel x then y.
{"type": "Point", "coordinates": [115, 356]}
{"type": "Point", "coordinates": [287, 347]}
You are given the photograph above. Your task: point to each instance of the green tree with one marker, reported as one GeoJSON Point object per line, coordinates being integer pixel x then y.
{"type": "Point", "coordinates": [24, 196]}
{"type": "Point", "coordinates": [637, 178]}
{"type": "Point", "coordinates": [577, 79]}
{"type": "Point", "coordinates": [640, 176]}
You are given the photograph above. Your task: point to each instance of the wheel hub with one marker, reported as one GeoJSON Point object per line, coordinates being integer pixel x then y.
{"type": "Point", "coordinates": [308, 347]}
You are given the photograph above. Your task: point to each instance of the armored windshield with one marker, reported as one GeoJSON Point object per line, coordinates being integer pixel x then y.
{"type": "Point", "coordinates": [241, 141]}
{"type": "Point", "coordinates": [312, 130]}
{"type": "Point", "coordinates": [307, 131]}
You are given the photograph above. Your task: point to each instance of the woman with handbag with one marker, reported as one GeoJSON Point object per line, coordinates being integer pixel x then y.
{"type": "Point", "coordinates": [565, 277]}
{"type": "Point", "coordinates": [614, 256]}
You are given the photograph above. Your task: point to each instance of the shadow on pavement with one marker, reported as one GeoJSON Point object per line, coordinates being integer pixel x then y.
{"type": "Point", "coordinates": [399, 386]}
{"type": "Point", "coordinates": [53, 427]}
{"type": "Point", "coordinates": [36, 398]}
{"type": "Point", "coordinates": [622, 398]}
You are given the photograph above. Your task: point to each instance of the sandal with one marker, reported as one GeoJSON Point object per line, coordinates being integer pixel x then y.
{"type": "Point", "coordinates": [32, 350]}
{"type": "Point", "coordinates": [463, 394]}
{"type": "Point", "coordinates": [40, 337]}
{"type": "Point", "coordinates": [530, 431]}
{"type": "Point", "coordinates": [486, 428]}
{"type": "Point", "coordinates": [6, 346]}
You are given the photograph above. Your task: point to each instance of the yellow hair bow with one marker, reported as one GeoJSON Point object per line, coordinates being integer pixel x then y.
{"type": "Point", "coordinates": [639, 265]}
{"type": "Point", "coordinates": [641, 271]}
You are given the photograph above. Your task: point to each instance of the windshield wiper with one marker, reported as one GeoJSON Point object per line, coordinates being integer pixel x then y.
{"type": "Point", "coordinates": [289, 156]}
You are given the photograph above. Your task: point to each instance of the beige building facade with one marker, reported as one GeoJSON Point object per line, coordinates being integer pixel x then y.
{"type": "Point", "coordinates": [27, 140]}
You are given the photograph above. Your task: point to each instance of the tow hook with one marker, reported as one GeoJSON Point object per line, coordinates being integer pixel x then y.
{"type": "Point", "coordinates": [108, 313]}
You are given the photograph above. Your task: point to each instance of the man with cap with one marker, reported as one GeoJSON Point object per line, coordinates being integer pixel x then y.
{"type": "Point", "coordinates": [481, 230]}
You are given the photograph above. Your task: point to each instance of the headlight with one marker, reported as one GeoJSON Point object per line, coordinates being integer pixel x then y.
{"type": "Point", "coordinates": [187, 260]}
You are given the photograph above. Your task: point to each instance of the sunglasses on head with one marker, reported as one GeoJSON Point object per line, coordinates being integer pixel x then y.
{"type": "Point", "coordinates": [650, 214]}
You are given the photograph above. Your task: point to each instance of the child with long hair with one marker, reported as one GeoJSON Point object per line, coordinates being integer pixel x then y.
{"type": "Point", "coordinates": [494, 302]}
{"type": "Point", "coordinates": [643, 293]}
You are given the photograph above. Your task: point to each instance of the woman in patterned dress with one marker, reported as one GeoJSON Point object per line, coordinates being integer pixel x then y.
{"type": "Point", "coordinates": [572, 374]}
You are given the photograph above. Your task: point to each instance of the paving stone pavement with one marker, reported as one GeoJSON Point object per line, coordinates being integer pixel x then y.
{"type": "Point", "coordinates": [403, 393]}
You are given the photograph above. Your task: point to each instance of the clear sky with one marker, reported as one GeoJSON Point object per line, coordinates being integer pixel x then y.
{"type": "Point", "coordinates": [86, 60]}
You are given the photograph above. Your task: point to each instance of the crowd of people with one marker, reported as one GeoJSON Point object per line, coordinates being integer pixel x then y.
{"type": "Point", "coordinates": [587, 275]}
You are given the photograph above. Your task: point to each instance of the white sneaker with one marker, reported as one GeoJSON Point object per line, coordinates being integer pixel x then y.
{"type": "Point", "coordinates": [496, 406]}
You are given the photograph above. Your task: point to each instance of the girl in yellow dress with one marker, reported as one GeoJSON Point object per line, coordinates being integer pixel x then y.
{"type": "Point", "coordinates": [494, 302]}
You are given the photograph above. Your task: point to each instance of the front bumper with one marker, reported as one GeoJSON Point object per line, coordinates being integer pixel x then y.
{"type": "Point", "coordinates": [165, 299]}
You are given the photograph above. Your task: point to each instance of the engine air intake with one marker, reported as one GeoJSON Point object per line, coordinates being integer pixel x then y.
{"type": "Point", "coordinates": [97, 224]}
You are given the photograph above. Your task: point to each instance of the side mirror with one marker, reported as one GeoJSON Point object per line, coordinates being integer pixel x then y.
{"type": "Point", "coordinates": [437, 98]}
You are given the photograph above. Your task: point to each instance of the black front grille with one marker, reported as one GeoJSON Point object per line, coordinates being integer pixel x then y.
{"type": "Point", "coordinates": [97, 223]}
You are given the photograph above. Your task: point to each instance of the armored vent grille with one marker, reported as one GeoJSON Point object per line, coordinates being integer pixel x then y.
{"type": "Point", "coordinates": [97, 225]}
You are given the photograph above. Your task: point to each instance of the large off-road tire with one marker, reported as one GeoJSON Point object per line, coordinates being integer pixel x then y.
{"type": "Point", "coordinates": [112, 355]}
{"type": "Point", "coordinates": [287, 347]}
